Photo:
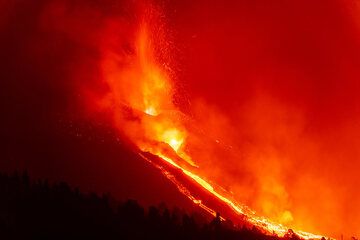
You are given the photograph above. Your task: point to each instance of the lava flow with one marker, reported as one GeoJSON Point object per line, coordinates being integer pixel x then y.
{"type": "Point", "coordinates": [141, 100]}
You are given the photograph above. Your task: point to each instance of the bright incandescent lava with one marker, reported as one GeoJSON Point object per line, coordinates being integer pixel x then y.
{"type": "Point", "coordinates": [141, 101]}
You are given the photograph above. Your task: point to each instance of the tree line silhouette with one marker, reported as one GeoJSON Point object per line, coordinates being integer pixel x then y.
{"type": "Point", "coordinates": [39, 210]}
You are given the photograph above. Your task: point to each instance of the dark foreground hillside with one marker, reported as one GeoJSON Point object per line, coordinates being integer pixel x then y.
{"type": "Point", "coordinates": [38, 210]}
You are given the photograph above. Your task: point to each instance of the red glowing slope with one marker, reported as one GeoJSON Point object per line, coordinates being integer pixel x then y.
{"type": "Point", "coordinates": [214, 199]}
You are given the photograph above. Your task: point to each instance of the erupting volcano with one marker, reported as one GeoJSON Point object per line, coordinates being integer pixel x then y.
{"type": "Point", "coordinates": [141, 100]}
{"type": "Point", "coordinates": [249, 109]}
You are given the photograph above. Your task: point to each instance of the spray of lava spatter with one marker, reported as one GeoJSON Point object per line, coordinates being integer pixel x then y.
{"type": "Point", "coordinates": [141, 98]}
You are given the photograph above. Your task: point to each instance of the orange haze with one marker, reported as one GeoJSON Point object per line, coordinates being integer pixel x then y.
{"type": "Point", "coordinates": [258, 102]}
{"type": "Point", "coordinates": [254, 101]}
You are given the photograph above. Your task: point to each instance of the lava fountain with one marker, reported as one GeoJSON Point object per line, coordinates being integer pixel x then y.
{"type": "Point", "coordinates": [140, 99]}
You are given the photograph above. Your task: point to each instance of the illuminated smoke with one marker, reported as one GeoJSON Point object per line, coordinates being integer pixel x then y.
{"type": "Point", "coordinates": [274, 113]}
{"type": "Point", "coordinates": [141, 96]}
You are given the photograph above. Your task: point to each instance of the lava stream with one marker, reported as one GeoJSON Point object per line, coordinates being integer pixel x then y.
{"type": "Point", "coordinates": [262, 223]}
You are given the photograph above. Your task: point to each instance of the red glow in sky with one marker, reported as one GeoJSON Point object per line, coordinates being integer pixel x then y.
{"type": "Point", "coordinates": [275, 84]}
